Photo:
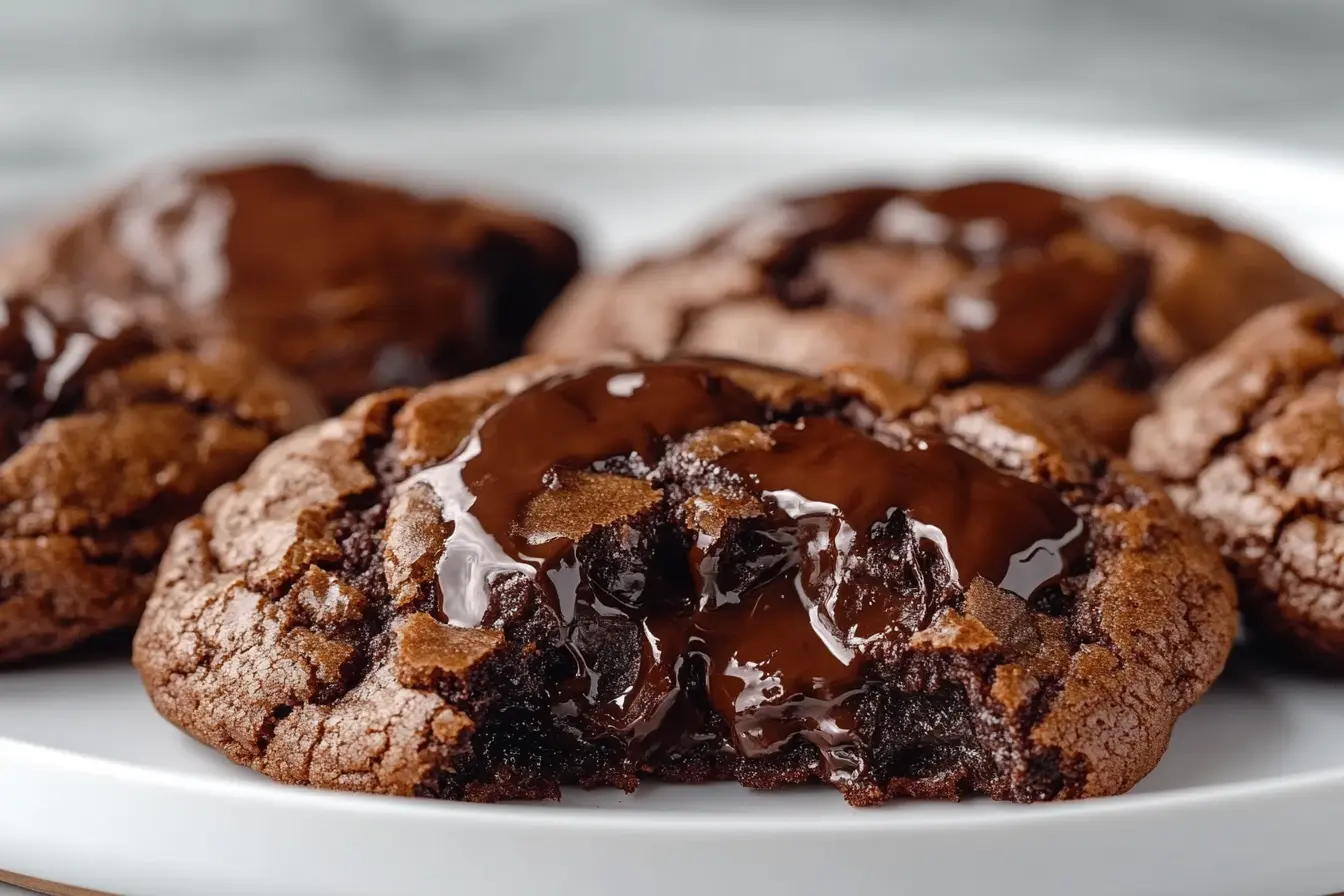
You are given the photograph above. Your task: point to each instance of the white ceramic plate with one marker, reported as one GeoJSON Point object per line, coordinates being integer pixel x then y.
{"type": "Point", "coordinates": [96, 791]}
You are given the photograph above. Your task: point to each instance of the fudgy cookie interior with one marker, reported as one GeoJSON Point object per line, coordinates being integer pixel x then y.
{"type": "Point", "coordinates": [746, 585]}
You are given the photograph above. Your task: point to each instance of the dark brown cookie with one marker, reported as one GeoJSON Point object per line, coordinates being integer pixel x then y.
{"type": "Point", "coordinates": [1090, 301]}
{"type": "Point", "coordinates": [353, 286]}
{"type": "Point", "coordinates": [106, 442]}
{"type": "Point", "coordinates": [1250, 440]}
{"type": "Point", "coordinates": [696, 570]}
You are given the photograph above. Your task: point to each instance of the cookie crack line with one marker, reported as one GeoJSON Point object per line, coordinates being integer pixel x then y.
{"type": "Point", "coordinates": [1250, 440]}
{"type": "Point", "coordinates": [107, 439]}
{"type": "Point", "coordinates": [703, 570]}
{"type": "Point", "coordinates": [153, 515]}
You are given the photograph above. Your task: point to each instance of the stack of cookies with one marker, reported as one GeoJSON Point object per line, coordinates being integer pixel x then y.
{"type": "Point", "coordinates": [837, 493]}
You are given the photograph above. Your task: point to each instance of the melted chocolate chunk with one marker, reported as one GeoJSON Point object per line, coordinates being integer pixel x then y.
{"type": "Point", "coordinates": [46, 361]}
{"type": "Point", "coordinates": [353, 285]}
{"type": "Point", "coordinates": [755, 560]}
{"type": "Point", "coordinates": [1039, 294]}
{"type": "Point", "coordinates": [1043, 302]}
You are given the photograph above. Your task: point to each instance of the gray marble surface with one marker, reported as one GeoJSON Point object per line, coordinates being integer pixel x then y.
{"type": "Point", "coordinates": [96, 85]}
{"type": "Point", "coordinates": [85, 84]}
{"type": "Point", "coordinates": [83, 80]}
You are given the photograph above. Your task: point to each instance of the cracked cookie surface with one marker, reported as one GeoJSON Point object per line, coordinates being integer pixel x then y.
{"type": "Point", "coordinates": [351, 285]}
{"type": "Point", "coordinates": [550, 574]}
{"type": "Point", "coordinates": [1250, 440]}
{"type": "Point", "coordinates": [107, 441]}
{"type": "Point", "coordinates": [1087, 302]}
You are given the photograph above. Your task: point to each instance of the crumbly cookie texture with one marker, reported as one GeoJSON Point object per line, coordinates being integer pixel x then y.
{"type": "Point", "coordinates": [1088, 302]}
{"type": "Point", "coordinates": [106, 442]}
{"type": "Point", "coordinates": [550, 574]}
{"type": "Point", "coordinates": [351, 285]}
{"type": "Point", "coordinates": [1249, 440]}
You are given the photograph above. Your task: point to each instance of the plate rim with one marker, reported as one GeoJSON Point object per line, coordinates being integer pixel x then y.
{"type": "Point", "coordinates": [651, 128]}
{"type": "Point", "coordinates": [539, 817]}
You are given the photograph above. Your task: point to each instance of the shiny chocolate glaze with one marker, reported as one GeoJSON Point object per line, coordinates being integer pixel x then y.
{"type": "Point", "coordinates": [352, 285]}
{"type": "Point", "coordinates": [1038, 293]}
{"type": "Point", "coordinates": [755, 559]}
{"type": "Point", "coordinates": [46, 361]}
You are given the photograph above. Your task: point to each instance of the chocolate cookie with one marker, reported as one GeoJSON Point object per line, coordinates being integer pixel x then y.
{"type": "Point", "coordinates": [1250, 440]}
{"type": "Point", "coordinates": [352, 286]}
{"type": "Point", "coordinates": [106, 442]}
{"type": "Point", "coordinates": [696, 570]}
{"type": "Point", "coordinates": [1090, 301]}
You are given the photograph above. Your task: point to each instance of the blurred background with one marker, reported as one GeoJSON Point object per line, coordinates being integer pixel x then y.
{"type": "Point", "coordinates": [82, 81]}
{"type": "Point", "coordinates": [90, 89]}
